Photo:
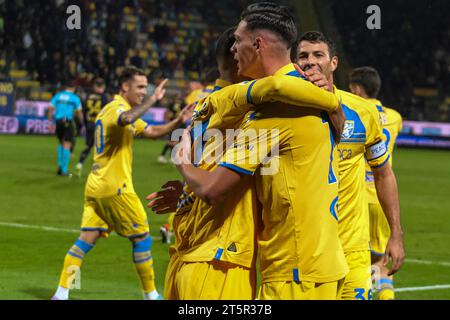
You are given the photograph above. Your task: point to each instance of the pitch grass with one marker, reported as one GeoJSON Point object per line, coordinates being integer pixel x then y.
{"type": "Point", "coordinates": [32, 194]}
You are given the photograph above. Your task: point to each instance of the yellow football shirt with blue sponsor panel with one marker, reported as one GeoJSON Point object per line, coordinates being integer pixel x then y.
{"type": "Point", "coordinates": [297, 187]}
{"type": "Point", "coordinates": [391, 121]}
{"type": "Point", "coordinates": [361, 141]}
{"type": "Point", "coordinates": [113, 154]}
{"type": "Point", "coordinates": [223, 231]}
{"type": "Point", "coordinates": [226, 109]}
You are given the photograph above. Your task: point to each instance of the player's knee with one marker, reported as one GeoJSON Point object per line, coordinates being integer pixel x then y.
{"type": "Point", "coordinates": [143, 242]}
{"type": "Point", "coordinates": [90, 237]}
{"type": "Point", "coordinates": [376, 259]}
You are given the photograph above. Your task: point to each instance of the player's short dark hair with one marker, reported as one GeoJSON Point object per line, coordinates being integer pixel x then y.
{"type": "Point", "coordinates": [128, 73]}
{"type": "Point", "coordinates": [224, 44]}
{"type": "Point", "coordinates": [99, 82]}
{"type": "Point", "coordinates": [315, 37]}
{"type": "Point", "coordinates": [211, 75]}
{"type": "Point", "coordinates": [156, 74]}
{"type": "Point", "coordinates": [368, 78]}
{"type": "Point", "coordinates": [273, 17]}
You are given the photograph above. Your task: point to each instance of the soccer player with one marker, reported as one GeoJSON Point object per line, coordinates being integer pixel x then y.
{"type": "Point", "coordinates": [300, 253]}
{"type": "Point", "coordinates": [361, 141]}
{"type": "Point", "coordinates": [94, 103]}
{"type": "Point", "coordinates": [62, 109]}
{"type": "Point", "coordinates": [110, 200]}
{"type": "Point", "coordinates": [366, 83]}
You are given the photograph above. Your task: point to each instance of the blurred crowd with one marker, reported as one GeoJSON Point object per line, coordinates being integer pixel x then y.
{"type": "Point", "coordinates": [411, 52]}
{"type": "Point", "coordinates": [177, 37]}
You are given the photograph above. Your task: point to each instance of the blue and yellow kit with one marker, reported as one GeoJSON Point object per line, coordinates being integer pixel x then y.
{"type": "Point", "coordinates": [391, 122]}
{"type": "Point", "coordinates": [110, 200]}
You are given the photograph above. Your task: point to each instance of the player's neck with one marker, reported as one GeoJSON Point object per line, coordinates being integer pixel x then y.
{"type": "Point", "coordinates": [272, 64]}
{"type": "Point", "coordinates": [330, 80]}
{"type": "Point", "coordinates": [123, 95]}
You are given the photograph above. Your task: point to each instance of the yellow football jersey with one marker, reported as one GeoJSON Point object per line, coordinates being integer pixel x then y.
{"type": "Point", "coordinates": [199, 94]}
{"type": "Point", "coordinates": [224, 231]}
{"type": "Point", "coordinates": [113, 155]}
{"type": "Point", "coordinates": [391, 122]}
{"type": "Point", "coordinates": [230, 237]}
{"type": "Point", "coordinates": [361, 141]}
{"type": "Point", "coordinates": [297, 187]}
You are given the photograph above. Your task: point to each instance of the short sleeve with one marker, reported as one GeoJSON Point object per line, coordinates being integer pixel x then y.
{"type": "Point", "coordinates": [139, 126]}
{"type": "Point", "coordinates": [377, 154]}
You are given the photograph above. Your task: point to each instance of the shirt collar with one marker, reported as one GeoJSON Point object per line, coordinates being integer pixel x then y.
{"type": "Point", "coordinates": [220, 84]}
{"type": "Point", "coordinates": [118, 98]}
{"type": "Point", "coordinates": [285, 70]}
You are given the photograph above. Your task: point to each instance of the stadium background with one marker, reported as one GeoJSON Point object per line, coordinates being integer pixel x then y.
{"type": "Point", "coordinates": [40, 212]}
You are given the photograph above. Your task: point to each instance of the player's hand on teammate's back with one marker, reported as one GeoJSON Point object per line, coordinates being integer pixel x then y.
{"type": "Point", "coordinates": [396, 252]}
{"type": "Point", "coordinates": [165, 200]}
{"type": "Point", "coordinates": [187, 112]}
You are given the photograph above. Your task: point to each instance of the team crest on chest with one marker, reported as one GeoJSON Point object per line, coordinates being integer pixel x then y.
{"type": "Point", "coordinates": [349, 128]}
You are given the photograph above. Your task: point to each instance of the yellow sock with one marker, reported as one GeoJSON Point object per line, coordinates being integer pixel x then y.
{"type": "Point", "coordinates": [143, 263]}
{"type": "Point", "coordinates": [386, 294]}
{"type": "Point", "coordinates": [146, 275]}
{"type": "Point", "coordinates": [73, 262]}
{"type": "Point", "coordinates": [386, 289]}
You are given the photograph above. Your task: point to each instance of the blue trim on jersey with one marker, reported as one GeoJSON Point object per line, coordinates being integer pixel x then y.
{"type": "Point", "coordinates": [217, 88]}
{"type": "Point", "coordinates": [94, 229]}
{"type": "Point", "coordinates": [235, 168]}
{"type": "Point", "coordinates": [296, 74]}
{"type": "Point", "coordinates": [249, 94]}
{"type": "Point", "coordinates": [331, 176]}
{"type": "Point", "coordinates": [118, 119]}
{"type": "Point", "coordinates": [196, 134]}
{"type": "Point", "coordinates": [385, 161]}
{"type": "Point", "coordinates": [388, 137]}
{"type": "Point", "coordinates": [379, 108]}
{"type": "Point", "coordinates": [218, 254]}
{"type": "Point", "coordinates": [144, 245]}
{"type": "Point", "coordinates": [84, 246]}
{"type": "Point", "coordinates": [333, 208]}
{"type": "Point", "coordinates": [359, 130]}
{"type": "Point", "coordinates": [296, 275]}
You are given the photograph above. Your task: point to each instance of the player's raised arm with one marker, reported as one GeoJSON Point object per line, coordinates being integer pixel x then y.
{"type": "Point", "coordinates": [135, 113]}
{"type": "Point", "coordinates": [153, 132]}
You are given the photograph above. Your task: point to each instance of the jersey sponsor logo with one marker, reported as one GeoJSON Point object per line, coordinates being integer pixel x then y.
{"type": "Point", "coordinates": [376, 150]}
{"type": "Point", "coordinates": [345, 154]}
{"type": "Point", "coordinates": [349, 128]}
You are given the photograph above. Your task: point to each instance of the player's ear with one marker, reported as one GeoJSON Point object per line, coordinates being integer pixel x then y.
{"type": "Point", "coordinates": [258, 43]}
{"type": "Point", "coordinates": [125, 86]}
{"type": "Point", "coordinates": [334, 63]}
